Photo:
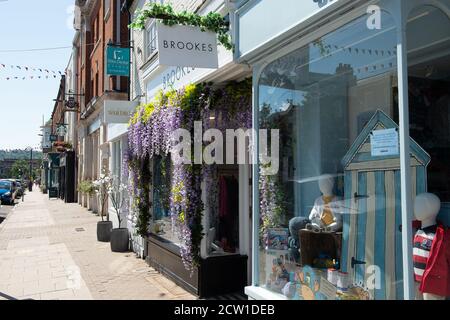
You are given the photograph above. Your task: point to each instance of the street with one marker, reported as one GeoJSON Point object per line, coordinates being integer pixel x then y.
{"type": "Point", "coordinates": [49, 251]}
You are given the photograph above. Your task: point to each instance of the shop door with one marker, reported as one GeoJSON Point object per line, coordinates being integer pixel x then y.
{"type": "Point", "coordinates": [376, 259]}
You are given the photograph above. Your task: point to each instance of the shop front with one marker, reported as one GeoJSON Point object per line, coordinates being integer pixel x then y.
{"type": "Point", "coordinates": [193, 215]}
{"type": "Point", "coordinates": [67, 176]}
{"type": "Point", "coordinates": [116, 116]}
{"type": "Point", "coordinates": [53, 179]}
{"type": "Point", "coordinates": [359, 91]}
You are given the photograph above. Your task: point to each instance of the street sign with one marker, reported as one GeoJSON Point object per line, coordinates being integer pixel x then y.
{"type": "Point", "coordinates": [117, 61]}
{"type": "Point", "coordinates": [52, 192]}
{"type": "Point", "coordinates": [187, 46]}
{"type": "Point", "coordinates": [71, 103]}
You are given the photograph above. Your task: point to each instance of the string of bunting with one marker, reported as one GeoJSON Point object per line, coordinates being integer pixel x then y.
{"type": "Point", "coordinates": [26, 68]}
{"type": "Point", "coordinates": [31, 77]}
{"type": "Point", "coordinates": [356, 50]}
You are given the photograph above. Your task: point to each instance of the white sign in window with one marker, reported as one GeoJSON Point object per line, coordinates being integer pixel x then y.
{"type": "Point", "coordinates": [384, 142]}
{"type": "Point", "coordinates": [187, 46]}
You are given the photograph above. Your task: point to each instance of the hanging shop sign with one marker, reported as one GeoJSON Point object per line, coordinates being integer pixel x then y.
{"type": "Point", "coordinates": [61, 130]}
{"type": "Point", "coordinates": [53, 138]}
{"type": "Point", "coordinates": [187, 46]}
{"type": "Point", "coordinates": [71, 103]}
{"type": "Point", "coordinates": [384, 142]}
{"type": "Point", "coordinates": [118, 111]}
{"type": "Point", "coordinates": [46, 137]}
{"type": "Point", "coordinates": [117, 61]}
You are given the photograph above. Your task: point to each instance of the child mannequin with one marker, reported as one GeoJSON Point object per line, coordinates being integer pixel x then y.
{"type": "Point", "coordinates": [325, 215]}
{"type": "Point", "coordinates": [426, 209]}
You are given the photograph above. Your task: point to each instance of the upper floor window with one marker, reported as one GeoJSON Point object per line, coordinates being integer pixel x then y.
{"type": "Point", "coordinates": [107, 9]}
{"type": "Point", "coordinates": [151, 40]}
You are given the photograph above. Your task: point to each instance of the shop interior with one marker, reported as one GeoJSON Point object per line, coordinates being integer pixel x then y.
{"type": "Point", "coordinates": [341, 213]}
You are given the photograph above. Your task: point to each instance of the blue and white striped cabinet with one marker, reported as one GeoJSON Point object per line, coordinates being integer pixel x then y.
{"type": "Point", "coordinates": [371, 249]}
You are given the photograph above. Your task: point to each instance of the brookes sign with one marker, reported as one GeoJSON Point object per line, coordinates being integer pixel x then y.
{"type": "Point", "coordinates": [186, 46]}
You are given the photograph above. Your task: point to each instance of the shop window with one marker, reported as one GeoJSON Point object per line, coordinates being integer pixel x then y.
{"type": "Point", "coordinates": [428, 32]}
{"type": "Point", "coordinates": [428, 38]}
{"type": "Point", "coordinates": [162, 187]}
{"type": "Point", "coordinates": [330, 218]}
{"type": "Point", "coordinates": [222, 210]}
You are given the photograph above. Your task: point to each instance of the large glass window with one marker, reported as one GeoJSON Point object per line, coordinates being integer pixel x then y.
{"type": "Point", "coordinates": [428, 38]}
{"type": "Point", "coordinates": [162, 188]}
{"type": "Point", "coordinates": [330, 218]}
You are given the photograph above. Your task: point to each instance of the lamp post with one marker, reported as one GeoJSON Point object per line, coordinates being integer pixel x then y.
{"type": "Point", "coordinates": [30, 184]}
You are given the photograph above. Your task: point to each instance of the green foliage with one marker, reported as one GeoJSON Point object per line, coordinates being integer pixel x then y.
{"type": "Point", "coordinates": [164, 12]}
{"type": "Point", "coordinates": [20, 169]}
{"type": "Point", "coordinates": [142, 198]}
{"type": "Point", "coordinates": [19, 154]}
{"type": "Point", "coordinates": [86, 187]}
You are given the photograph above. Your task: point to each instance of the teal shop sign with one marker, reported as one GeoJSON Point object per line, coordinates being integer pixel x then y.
{"type": "Point", "coordinates": [117, 61]}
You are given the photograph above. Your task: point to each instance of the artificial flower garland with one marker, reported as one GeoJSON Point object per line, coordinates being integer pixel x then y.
{"type": "Point", "coordinates": [164, 12]}
{"type": "Point", "coordinates": [149, 135]}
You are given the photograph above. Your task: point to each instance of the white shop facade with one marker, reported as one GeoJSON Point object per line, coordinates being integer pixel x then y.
{"type": "Point", "coordinates": [360, 93]}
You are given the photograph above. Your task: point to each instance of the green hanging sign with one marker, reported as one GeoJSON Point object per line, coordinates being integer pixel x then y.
{"type": "Point", "coordinates": [117, 61]}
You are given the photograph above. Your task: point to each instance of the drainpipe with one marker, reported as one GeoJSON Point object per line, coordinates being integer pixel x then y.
{"type": "Point", "coordinates": [126, 6]}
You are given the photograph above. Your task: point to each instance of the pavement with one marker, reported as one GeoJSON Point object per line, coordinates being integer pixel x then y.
{"type": "Point", "coordinates": [4, 211]}
{"type": "Point", "coordinates": [49, 251]}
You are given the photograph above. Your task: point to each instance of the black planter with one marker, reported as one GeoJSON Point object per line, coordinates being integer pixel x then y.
{"type": "Point", "coordinates": [104, 231]}
{"type": "Point", "coordinates": [119, 240]}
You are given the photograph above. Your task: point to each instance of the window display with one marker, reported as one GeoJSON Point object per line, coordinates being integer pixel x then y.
{"type": "Point", "coordinates": [429, 109]}
{"type": "Point", "coordinates": [335, 200]}
{"type": "Point", "coordinates": [431, 253]}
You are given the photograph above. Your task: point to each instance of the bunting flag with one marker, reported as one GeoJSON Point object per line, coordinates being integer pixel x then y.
{"type": "Point", "coordinates": [27, 68]}
{"type": "Point", "coordinates": [29, 77]}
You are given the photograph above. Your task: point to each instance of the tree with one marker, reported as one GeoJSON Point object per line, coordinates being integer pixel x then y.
{"type": "Point", "coordinates": [20, 169]}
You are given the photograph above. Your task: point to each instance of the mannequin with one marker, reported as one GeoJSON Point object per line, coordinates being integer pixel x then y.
{"type": "Point", "coordinates": [426, 209]}
{"type": "Point", "coordinates": [325, 215]}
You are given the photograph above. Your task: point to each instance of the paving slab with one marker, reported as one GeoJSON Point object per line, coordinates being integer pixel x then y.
{"type": "Point", "coordinates": [49, 251]}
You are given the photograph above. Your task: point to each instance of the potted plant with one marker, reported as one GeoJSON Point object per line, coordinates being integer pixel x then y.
{"type": "Point", "coordinates": [119, 236]}
{"type": "Point", "coordinates": [102, 188]}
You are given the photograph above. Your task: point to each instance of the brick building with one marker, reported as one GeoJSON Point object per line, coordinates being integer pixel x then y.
{"type": "Point", "coordinates": [98, 24]}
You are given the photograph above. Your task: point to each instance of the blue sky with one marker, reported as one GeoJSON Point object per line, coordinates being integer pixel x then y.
{"type": "Point", "coordinates": [29, 24]}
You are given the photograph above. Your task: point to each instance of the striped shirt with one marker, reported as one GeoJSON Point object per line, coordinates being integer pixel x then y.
{"type": "Point", "coordinates": [423, 240]}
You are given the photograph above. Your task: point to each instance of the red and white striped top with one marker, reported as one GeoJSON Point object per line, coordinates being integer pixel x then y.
{"type": "Point", "coordinates": [423, 241]}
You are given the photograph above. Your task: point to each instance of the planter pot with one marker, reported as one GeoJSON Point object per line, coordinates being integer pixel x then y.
{"type": "Point", "coordinates": [104, 231]}
{"type": "Point", "coordinates": [119, 240]}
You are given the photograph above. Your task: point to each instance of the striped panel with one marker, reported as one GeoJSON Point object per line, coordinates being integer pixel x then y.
{"type": "Point", "coordinates": [346, 221]}
{"type": "Point", "coordinates": [361, 231]}
{"type": "Point", "coordinates": [390, 235]}
{"type": "Point", "coordinates": [349, 222]}
{"type": "Point", "coordinates": [370, 225]}
{"type": "Point", "coordinates": [398, 237]}
{"type": "Point", "coordinates": [380, 231]}
{"type": "Point", "coordinates": [352, 229]}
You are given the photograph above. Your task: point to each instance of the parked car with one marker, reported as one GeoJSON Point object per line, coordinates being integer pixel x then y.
{"type": "Point", "coordinates": [7, 192]}
{"type": "Point", "coordinates": [20, 189]}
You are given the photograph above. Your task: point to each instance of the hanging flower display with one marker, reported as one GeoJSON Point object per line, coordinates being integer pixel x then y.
{"type": "Point", "coordinates": [150, 134]}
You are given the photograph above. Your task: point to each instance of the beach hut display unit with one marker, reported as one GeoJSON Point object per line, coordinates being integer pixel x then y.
{"type": "Point", "coordinates": [371, 247]}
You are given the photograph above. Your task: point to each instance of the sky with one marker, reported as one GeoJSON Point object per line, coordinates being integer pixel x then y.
{"type": "Point", "coordinates": [31, 24]}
